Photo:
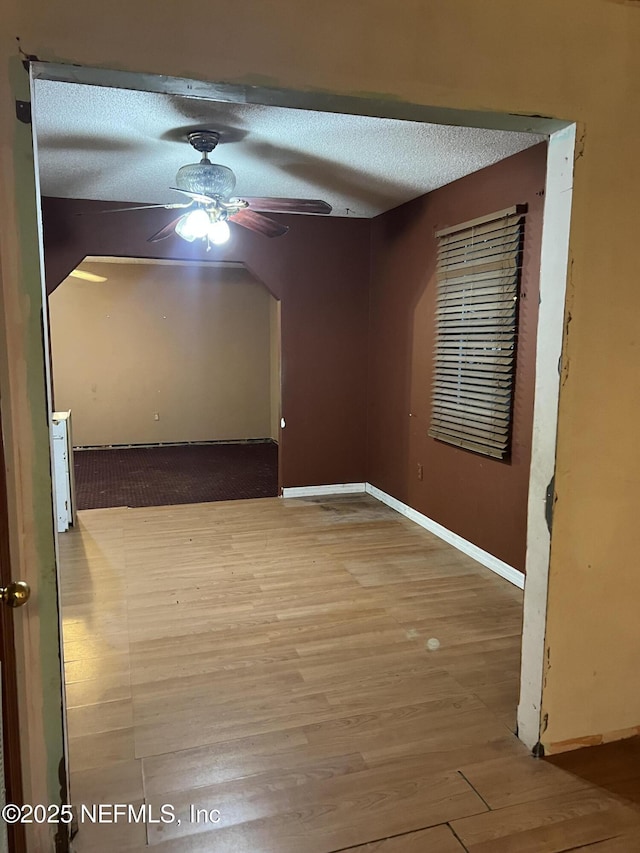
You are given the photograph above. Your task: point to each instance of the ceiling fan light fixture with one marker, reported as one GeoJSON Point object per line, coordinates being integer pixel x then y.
{"type": "Point", "coordinates": [219, 232]}
{"type": "Point", "coordinates": [193, 225]}
{"type": "Point", "coordinates": [210, 187]}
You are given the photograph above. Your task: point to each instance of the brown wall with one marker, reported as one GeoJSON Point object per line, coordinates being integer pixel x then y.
{"type": "Point", "coordinates": [319, 271]}
{"type": "Point", "coordinates": [274, 369]}
{"type": "Point", "coordinates": [483, 500]}
{"type": "Point", "coordinates": [190, 344]}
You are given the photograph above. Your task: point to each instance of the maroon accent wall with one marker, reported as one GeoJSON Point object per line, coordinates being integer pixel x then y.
{"type": "Point", "coordinates": [319, 271]}
{"type": "Point", "coordinates": [482, 499]}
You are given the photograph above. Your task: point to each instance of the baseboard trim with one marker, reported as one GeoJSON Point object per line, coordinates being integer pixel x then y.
{"type": "Point", "coordinates": [589, 740]}
{"type": "Point", "coordinates": [501, 568]}
{"type": "Point", "coordinates": [81, 447]}
{"type": "Point", "coordinates": [486, 559]}
{"type": "Point", "coordinates": [335, 489]}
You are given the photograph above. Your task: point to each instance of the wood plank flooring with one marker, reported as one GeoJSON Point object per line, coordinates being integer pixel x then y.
{"type": "Point", "coordinates": [268, 659]}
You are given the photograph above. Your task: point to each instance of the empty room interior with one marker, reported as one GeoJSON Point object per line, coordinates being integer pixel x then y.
{"type": "Point", "coordinates": [293, 481]}
{"type": "Point", "coordinates": [172, 373]}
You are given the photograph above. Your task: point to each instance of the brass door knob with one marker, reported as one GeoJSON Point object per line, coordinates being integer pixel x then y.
{"type": "Point", "coordinates": [16, 594]}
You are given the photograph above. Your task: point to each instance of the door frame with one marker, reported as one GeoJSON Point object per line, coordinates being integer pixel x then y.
{"type": "Point", "coordinates": [553, 276]}
{"type": "Point", "coordinates": [550, 330]}
{"type": "Point", "coordinates": [26, 433]}
{"type": "Point", "coordinates": [8, 682]}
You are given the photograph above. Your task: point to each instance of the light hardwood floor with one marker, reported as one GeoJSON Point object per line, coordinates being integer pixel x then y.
{"type": "Point", "coordinates": [269, 659]}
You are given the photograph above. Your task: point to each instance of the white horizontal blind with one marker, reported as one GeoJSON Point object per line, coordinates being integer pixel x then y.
{"type": "Point", "coordinates": [478, 277]}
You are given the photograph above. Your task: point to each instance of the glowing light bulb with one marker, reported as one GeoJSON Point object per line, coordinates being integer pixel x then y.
{"type": "Point", "coordinates": [219, 232]}
{"type": "Point", "coordinates": [193, 225]}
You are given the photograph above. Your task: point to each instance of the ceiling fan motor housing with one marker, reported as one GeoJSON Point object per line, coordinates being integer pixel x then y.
{"type": "Point", "coordinates": [203, 141]}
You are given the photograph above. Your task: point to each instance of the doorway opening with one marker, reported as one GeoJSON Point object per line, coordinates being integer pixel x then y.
{"type": "Point", "coordinates": [171, 370]}
{"type": "Point", "coordinates": [552, 275]}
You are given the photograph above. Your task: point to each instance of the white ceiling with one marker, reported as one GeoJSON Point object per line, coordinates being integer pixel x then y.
{"type": "Point", "coordinates": [122, 145]}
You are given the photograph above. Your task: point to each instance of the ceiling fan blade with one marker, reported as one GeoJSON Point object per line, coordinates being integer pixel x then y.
{"type": "Point", "coordinates": [166, 231]}
{"type": "Point", "coordinates": [288, 205]}
{"type": "Point", "coordinates": [135, 207]}
{"type": "Point", "coordinates": [203, 199]}
{"type": "Point", "coordinates": [257, 222]}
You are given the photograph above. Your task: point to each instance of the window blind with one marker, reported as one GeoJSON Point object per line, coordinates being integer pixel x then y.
{"type": "Point", "coordinates": [478, 278]}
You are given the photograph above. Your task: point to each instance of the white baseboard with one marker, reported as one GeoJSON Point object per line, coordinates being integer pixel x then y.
{"type": "Point", "coordinates": [313, 491]}
{"type": "Point", "coordinates": [505, 571]}
{"type": "Point", "coordinates": [501, 568]}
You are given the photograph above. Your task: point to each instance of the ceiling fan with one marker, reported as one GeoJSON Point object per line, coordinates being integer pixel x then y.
{"type": "Point", "coordinates": [212, 206]}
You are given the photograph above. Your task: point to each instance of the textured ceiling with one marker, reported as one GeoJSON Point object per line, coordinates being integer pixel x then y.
{"type": "Point", "coordinates": [121, 145]}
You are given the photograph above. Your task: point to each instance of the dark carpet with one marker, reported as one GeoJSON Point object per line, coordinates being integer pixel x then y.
{"type": "Point", "coordinates": [161, 476]}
